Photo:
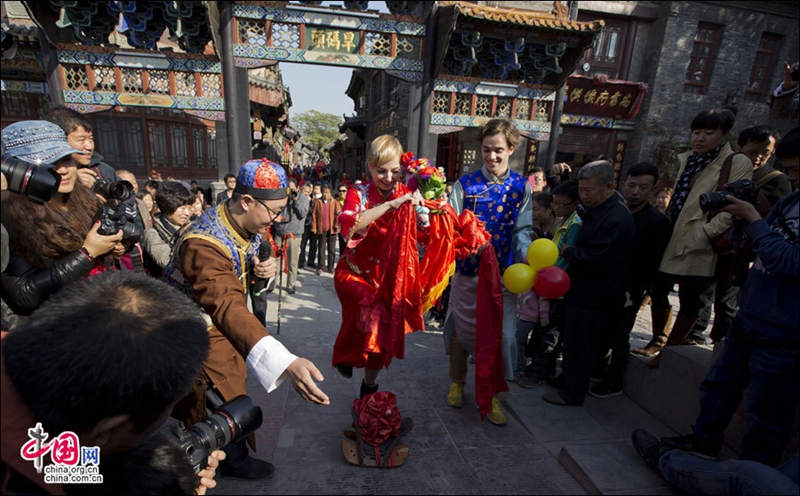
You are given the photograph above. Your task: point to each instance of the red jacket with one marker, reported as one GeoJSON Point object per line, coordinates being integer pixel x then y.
{"type": "Point", "coordinates": [334, 208]}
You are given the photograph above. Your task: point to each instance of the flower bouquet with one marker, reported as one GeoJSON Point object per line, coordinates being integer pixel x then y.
{"type": "Point", "coordinates": [426, 181]}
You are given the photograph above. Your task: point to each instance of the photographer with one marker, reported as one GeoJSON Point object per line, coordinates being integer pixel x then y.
{"type": "Point", "coordinates": [174, 203]}
{"type": "Point", "coordinates": [78, 129]}
{"type": "Point", "coordinates": [93, 361]}
{"type": "Point", "coordinates": [761, 351]}
{"type": "Point", "coordinates": [55, 243]}
{"type": "Point", "coordinates": [290, 231]}
{"type": "Point", "coordinates": [691, 258]}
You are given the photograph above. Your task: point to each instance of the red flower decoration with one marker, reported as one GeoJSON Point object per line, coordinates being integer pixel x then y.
{"type": "Point", "coordinates": [378, 417]}
{"type": "Point", "coordinates": [407, 158]}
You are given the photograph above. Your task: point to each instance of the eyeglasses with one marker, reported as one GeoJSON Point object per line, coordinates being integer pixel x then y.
{"type": "Point", "coordinates": [342, 191]}
{"type": "Point", "coordinates": [274, 213]}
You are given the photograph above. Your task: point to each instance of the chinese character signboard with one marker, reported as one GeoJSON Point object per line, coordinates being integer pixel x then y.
{"type": "Point", "coordinates": [604, 97]}
{"type": "Point", "coordinates": [332, 40]}
{"type": "Point", "coordinates": [618, 158]}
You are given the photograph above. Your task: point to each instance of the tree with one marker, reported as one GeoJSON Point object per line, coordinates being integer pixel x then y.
{"type": "Point", "coordinates": [318, 128]}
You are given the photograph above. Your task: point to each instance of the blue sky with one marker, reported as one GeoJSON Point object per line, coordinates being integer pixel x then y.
{"type": "Point", "coordinates": [320, 87]}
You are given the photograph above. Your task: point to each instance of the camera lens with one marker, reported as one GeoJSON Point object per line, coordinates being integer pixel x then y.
{"type": "Point", "coordinates": [38, 182]}
{"type": "Point", "coordinates": [232, 421]}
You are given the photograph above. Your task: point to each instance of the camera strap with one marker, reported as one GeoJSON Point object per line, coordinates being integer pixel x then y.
{"type": "Point", "coordinates": [724, 176]}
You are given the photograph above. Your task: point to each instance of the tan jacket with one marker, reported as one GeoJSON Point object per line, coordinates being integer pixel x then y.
{"type": "Point", "coordinates": [334, 208]}
{"type": "Point", "coordinates": [689, 250]}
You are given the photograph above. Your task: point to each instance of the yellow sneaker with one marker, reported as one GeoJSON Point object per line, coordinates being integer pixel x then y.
{"type": "Point", "coordinates": [497, 417]}
{"type": "Point", "coordinates": [455, 397]}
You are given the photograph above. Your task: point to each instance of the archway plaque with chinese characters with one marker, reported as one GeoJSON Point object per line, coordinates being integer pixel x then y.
{"type": "Point", "coordinates": [270, 32]}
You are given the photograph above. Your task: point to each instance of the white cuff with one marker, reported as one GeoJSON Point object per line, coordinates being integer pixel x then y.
{"type": "Point", "coordinates": [779, 91]}
{"type": "Point", "coordinates": [268, 359]}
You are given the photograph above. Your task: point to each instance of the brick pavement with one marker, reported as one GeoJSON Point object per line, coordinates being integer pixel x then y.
{"type": "Point", "coordinates": [452, 451]}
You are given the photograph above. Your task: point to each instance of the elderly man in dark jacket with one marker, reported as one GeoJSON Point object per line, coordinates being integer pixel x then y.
{"type": "Point", "coordinates": [598, 270]}
{"type": "Point", "coordinates": [290, 232]}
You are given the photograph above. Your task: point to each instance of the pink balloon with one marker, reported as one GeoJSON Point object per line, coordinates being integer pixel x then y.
{"type": "Point", "coordinates": [551, 282]}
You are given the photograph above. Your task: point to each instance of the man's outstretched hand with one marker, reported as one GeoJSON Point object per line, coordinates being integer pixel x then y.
{"type": "Point", "coordinates": [302, 373]}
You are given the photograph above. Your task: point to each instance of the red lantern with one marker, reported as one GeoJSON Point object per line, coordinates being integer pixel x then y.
{"type": "Point", "coordinates": [551, 282]}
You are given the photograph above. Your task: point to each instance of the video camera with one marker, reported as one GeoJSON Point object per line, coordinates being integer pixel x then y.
{"type": "Point", "coordinates": [38, 182]}
{"type": "Point", "coordinates": [743, 189]}
{"type": "Point", "coordinates": [234, 420]}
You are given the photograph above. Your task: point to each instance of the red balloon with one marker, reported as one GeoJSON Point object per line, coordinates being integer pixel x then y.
{"type": "Point", "coordinates": [551, 282]}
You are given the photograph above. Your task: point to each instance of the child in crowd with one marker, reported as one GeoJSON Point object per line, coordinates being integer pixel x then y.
{"type": "Point", "coordinates": [563, 205]}
{"type": "Point", "coordinates": [533, 311]}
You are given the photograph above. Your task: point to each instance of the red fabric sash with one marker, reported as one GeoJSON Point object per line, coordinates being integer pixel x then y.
{"type": "Point", "coordinates": [397, 300]}
{"type": "Point", "coordinates": [489, 379]}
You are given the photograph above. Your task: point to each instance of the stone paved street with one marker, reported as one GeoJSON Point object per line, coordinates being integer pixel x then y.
{"type": "Point", "coordinates": [544, 449]}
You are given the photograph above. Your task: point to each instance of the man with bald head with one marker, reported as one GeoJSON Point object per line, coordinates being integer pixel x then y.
{"type": "Point", "coordinates": [598, 271]}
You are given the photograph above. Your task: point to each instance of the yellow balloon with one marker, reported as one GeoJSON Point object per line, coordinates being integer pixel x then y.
{"type": "Point", "coordinates": [518, 277]}
{"type": "Point", "coordinates": [542, 253]}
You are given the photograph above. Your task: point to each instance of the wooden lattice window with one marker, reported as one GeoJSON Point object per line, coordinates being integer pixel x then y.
{"type": "Point", "coordinates": [131, 81]}
{"type": "Point", "coordinates": [75, 78]}
{"type": "Point", "coordinates": [483, 106]}
{"type": "Point", "coordinates": [252, 32]}
{"type": "Point", "coordinates": [463, 104]}
{"type": "Point", "coordinates": [503, 108]}
{"type": "Point", "coordinates": [198, 135]}
{"type": "Point", "coordinates": [158, 144]}
{"type": "Point", "coordinates": [378, 44]}
{"type": "Point", "coordinates": [285, 35]}
{"type": "Point", "coordinates": [523, 111]}
{"type": "Point", "coordinates": [159, 82]}
{"type": "Point", "coordinates": [441, 102]}
{"type": "Point", "coordinates": [185, 84]}
{"type": "Point", "coordinates": [763, 67]}
{"type": "Point", "coordinates": [104, 79]}
{"type": "Point", "coordinates": [180, 145]}
{"type": "Point", "coordinates": [706, 44]}
{"type": "Point", "coordinates": [212, 85]}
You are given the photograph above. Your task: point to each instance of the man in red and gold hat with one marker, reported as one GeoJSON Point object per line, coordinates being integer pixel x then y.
{"type": "Point", "coordinates": [210, 263]}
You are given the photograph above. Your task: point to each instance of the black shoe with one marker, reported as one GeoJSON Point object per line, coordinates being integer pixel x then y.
{"type": "Point", "coordinates": [557, 381]}
{"type": "Point", "coordinates": [312, 265]}
{"type": "Point", "coordinates": [648, 447]}
{"type": "Point", "coordinates": [365, 389]}
{"type": "Point", "coordinates": [694, 445]}
{"type": "Point", "coordinates": [291, 291]}
{"type": "Point", "coordinates": [251, 469]}
{"type": "Point", "coordinates": [530, 379]}
{"type": "Point", "coordinates": [694, 340]}
{"type": "Point", "coordinates": [344, 371]}
{"type": "Point", "coordinates": [605, 389]}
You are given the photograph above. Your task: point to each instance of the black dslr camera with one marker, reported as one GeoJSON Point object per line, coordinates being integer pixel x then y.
{"type": "Point", "coordinates": [123, 215]}
{"type": "Point", "coordinates": [118, 190]}
{"type": "Point", "coordinates": [232, 421]}
{"type": "Point", "coordinates": [38, 182]}
{"type": "Point", "coordinates": [743, 189]}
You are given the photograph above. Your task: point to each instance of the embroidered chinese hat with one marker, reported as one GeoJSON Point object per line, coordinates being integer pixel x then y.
{"type": "Point", "coordinates": [262, 179]}
{"type": "Point", "coordinates": [36, 142]}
